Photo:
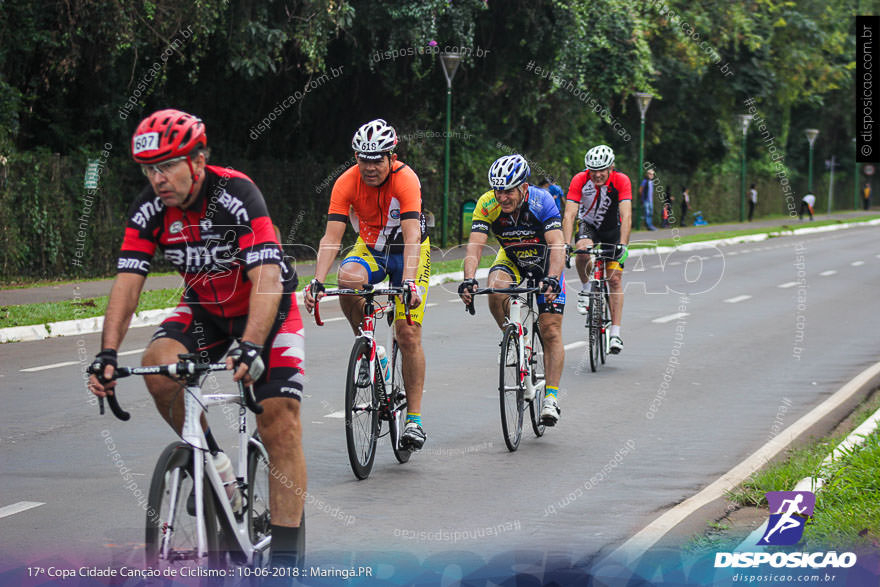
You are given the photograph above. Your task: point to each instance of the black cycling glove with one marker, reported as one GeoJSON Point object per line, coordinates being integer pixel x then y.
{"type": "Point", "coordinates": [249, 354]}
{"type": "Point", "coordinates": [102, 360]}
{"type": "Point", "coordinates": [551, 283]}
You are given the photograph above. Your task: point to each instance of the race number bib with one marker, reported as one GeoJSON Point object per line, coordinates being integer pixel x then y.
{"type": "Point", "coordinates": [145, 142]}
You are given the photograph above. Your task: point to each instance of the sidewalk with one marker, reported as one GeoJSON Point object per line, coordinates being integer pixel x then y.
{"type": "Point", "coordinates": [306, 270]}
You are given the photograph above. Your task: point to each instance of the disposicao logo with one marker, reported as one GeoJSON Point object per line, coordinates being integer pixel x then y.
{"type": "Point", "coordinates": [789, 512]}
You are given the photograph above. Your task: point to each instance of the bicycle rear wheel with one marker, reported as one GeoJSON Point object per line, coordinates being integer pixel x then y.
{"type": "Point", "coordinates": [510, 389]}
{"type": "Point", "coordinates": [361, 411]}
{"type": "Point", "coordinates": [258, 516]}
{"type": "Point", "coordinates": [398, 405]}
{"type": "Point", "coordinates": [171, 528]}
{"type": "Point", "coordinates": [536, 367]}
{"type": "Point", "coordinates": [594, 324]}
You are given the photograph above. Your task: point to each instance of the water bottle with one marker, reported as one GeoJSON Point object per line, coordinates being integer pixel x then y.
{"type": "Point", "coordinates": [383, 363]}
{"type": "Point", "coordinates": [227, 475]}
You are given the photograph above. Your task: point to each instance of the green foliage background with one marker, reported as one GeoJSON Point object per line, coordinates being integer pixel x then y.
{"type": "Point", "coordinates": [67, 68]}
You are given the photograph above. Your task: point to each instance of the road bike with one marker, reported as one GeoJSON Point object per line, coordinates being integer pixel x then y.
{"type": "Point", "coordinates": [598, 323]}
{"type": "Point", "coordinates": [190, 521]}
{"type": "Point", "coordinates": [373, 393]}
{"type": "Point", "coordinates": [521, 374]}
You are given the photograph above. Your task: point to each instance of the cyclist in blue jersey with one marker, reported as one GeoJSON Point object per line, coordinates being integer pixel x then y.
{"type": "Point", "coordinates": [527, 224]}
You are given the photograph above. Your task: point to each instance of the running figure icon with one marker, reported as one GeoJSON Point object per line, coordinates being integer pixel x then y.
{"type": "Point", "coordinates": [792, 509]}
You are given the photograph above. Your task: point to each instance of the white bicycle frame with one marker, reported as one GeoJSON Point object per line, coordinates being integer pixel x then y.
{"type": "Point", "coordinates": [525, 380]}
{"type": "Point", "coordinates": [202, 465]}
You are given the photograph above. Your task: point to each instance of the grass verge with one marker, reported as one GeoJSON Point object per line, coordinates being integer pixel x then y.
{"type": "Point", "coordinates": [847, 512]}
{"type": "Point", "coordinates": [75, 309]}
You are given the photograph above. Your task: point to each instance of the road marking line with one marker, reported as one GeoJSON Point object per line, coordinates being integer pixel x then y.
{"type": "Point", "coordinates": [675, 263]}
{"type": "Point", "coordinates": [333, 319]}
{"type": "Point", "coordinates": [828, 273]}
{"type": "Point", "coordinates": [670, 317]}
{"type": "Point", "coordinates": [857, 263]}
{"type": "Point", "coordinates": [69, 363]}
{"type": "Point", "coordinates": [339, 414]}
{"type": "Point", "coordinates": [52, 366]}
{"type": "Point", "coordinates": [787, 284]}
{"type": "Point", "coordinates": [574, 345]}
{"type": "Point", "coordinates": [738, 299]}
{"type": "Point", "coordinates": [19, 507]}
{"type": "Point", "coordinates": [648, 536]}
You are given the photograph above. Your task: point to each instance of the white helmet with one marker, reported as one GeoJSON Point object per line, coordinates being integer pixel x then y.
{"type": "Point", "coordinates": [508, 172]}
{"type": "Point", "coordinates": [599, 157]}
{"type": "Point", "coordinates": [373, 139]}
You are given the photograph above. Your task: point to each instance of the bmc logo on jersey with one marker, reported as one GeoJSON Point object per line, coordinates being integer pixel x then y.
{"type": "Point", "coordinates": [263, 254]}
{"type": "Point", "coordinates": [138, 264]}
{"type": "Point", "coordinates": [395, 214]}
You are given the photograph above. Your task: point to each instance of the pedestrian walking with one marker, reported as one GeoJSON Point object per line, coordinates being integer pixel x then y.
{"type": "Point", "coordinates": [753, 201]}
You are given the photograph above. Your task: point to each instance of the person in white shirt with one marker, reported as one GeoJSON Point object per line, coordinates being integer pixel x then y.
{"type": "Point", "coordinates": [807, 203]}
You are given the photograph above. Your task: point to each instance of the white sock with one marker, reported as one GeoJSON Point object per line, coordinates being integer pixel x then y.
{"type": "Point", "coordinates": [585, 286]}
{"type": "Point", "coordinates": [615, 331]}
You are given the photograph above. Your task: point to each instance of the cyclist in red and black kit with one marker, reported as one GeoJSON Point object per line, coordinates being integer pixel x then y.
{"type": "Point", "coordinates": [601, 200]}
{"type": "Point", "coordinates": [211, 223]}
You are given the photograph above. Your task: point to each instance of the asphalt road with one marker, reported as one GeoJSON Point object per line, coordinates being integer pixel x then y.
{"type": "Point", "coordinates": [765, 333]}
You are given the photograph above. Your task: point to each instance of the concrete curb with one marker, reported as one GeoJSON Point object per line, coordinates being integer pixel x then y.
{"type": "Point", "coordinates": [154, 317]}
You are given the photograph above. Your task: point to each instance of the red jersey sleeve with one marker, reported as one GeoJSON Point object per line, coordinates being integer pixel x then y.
{"type": "Point", "coordinates": [576, 187]}
{"type": "Point", "coordinates": [623, 186]}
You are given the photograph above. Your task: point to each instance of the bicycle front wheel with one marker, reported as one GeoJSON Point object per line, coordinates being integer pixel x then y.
{"type": "Point", "coordinates": [536, 367]}
{"type": "Point", "coordinates": [606, 324]}
{"type": "Point", "coordinates": [361, 410]}
{"type": "Point", "coordinates": [510, 389]}
{"type": "Point", "coordinates": [594, 324]}
{"type": "Point", "coordinates": [172, 527]}
{"type": "Point", "coordinates": [258, 518]}
{"type": "Point", "coordinates": [398, 405]}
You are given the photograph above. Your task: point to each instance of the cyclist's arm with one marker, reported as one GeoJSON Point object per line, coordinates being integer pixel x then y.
{"type": "Point", "coordinates": [625, 208]}
{"type": "Point", "coordinates": [123, 301]}
{"type": "Point", "coordinates": [412, 236]}
{"type": "Point", "coordinates": [557, 252]}
{"type": "Point", "coordinates": [474, 251]}
{"type": "Point", "coordinates": [263, 303]}
{"type": "Point", "coordinates": [329, 248]}
{"type": "Point", "coordinates": [571, 210]}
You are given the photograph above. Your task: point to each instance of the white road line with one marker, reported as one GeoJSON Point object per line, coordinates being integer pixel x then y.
{"type": "Point", "coordinates": [19, 507]}
{"type": "Point", "coordinates": [333, 319]}
{"type": "Point", "coordinates": [670, 317]}
{"type": "Point", "coordinates": [574, 345]}
{"type": "Point", "coordinates": [52, 366]}
{"type": "Point", "coordinates": [857, 263]}
{"type": "Point", "coordinates": [828, 273]}
{"type": "Point", "coordinates": [431, 305]}
{"type": "Point", "coordinates": [69, 363]}
{"type": "Point", "coordinates": [675, 263]}
{"type": "Point", "coordinates": [648, 536]}
{"type": "Point", "coordinates": [738, 299]}
{"type": "Point", "coordinates": [339, 414]}
{"type": "Point", "coordinates": [787, 284]}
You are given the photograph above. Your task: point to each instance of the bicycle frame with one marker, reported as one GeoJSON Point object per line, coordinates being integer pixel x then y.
{"type": "Point", "coordinates": [194, 436]}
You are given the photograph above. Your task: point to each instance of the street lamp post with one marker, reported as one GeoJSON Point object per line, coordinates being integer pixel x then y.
{"type": "Point", "coordinates": [811, 134]}
{"type": "Point", "coordinates": [856, 178]}
{"type": "Point", "coordinates": [643, 99]}
{"type": "Point", "coordinates": [450, 63]}
{"type": "Point", "coordinates": [744, 120]}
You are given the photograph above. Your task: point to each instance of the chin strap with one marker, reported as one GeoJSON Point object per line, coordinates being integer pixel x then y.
{"type": "Point", "coordinates": [195, 178]}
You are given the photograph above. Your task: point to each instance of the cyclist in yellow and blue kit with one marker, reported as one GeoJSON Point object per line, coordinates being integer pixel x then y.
{"type": "Point", "coordinates": [527, 224]}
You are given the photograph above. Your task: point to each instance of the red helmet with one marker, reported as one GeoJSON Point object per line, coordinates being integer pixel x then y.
{"type": "Point", "coordinates": [167, 134]}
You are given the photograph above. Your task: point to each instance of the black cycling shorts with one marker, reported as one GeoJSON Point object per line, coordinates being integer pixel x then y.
{"type": "Point", "coordinates": [210, 337]}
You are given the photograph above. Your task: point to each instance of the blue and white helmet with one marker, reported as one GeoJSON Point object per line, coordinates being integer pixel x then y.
{"type": "Point", "coordinates": [508, 172]}
{"type": "Point", "coordinates": [599, 157]}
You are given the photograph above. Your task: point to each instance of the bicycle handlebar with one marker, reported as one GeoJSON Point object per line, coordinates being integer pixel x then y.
{"type": "Point", "coordinates": [602, 251]}
{"type": "Point", "coordinates": [368, 291]}
{"type": "Point", "coordinates": [183, 368]}
{"type": "Point", "coordinates": [495, 290]}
